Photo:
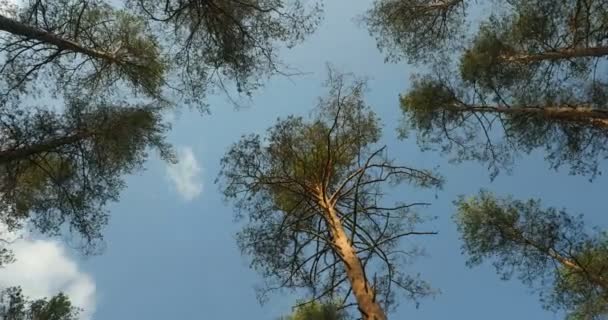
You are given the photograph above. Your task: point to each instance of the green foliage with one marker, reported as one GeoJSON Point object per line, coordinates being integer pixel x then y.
{"type": "Point", "coordinates": [416, 29]}
{"type": "Point", "coordinates": [426, 104]}
{"type": "Point", "coordinates": [275, 183]}
{"type": "Point", "coordinates": [164, 50]}
{"type": "Point", "coordinates": [484, 62]}
{"type": "Point", "coordinates": [316, 311]}
{"type": "Point", "coordinates": [511, 51]}
{"type": "Point", "coordinates": [469, 124]}
{"type": "Point", "coordinates": [528, 55]}
{"type": "Point", "coordinates": [15, 306]}
{"type": "Point", "coordinates": [542, 246]}
{"type": "Point", "coordinates": [60, 168]}
{"type": "Point", "coordinates": [91, 46]}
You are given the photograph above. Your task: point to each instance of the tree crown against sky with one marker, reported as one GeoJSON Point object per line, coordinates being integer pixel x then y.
{"type": "Point", "coordinates": [543, 247]}
{"type": "Point", "coordinates": [64, 167]}
{"type": "Point", "coordinates": [311, 194]}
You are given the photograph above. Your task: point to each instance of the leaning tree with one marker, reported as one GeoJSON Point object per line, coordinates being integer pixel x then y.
{"type": "Point", "coordinates": [542, 246]}
{"type": "Point", "coordinates": [311, 192]}
{"type": "Point", "coordinates": [173, 49]}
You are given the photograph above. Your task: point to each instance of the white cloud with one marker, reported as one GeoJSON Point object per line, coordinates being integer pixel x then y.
{"type": "Point", "coordinates": [43, 268]}
{"type": "Point", "coordinates": [185, 174]}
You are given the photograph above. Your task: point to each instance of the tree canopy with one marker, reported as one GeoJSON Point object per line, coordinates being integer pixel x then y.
{"type": "Point", "coordinates": [316, 311]}
{"type": "Point", "coordinates": [416, 29]}
{"type": "Point", "coordinates": [529, 78]}
{"type": "Point", "coordinates": [311, 194]}
{"type": "Point", "coordinates": [455, 118]}
{"type": "Point", "coordinates": [170, 50]}
{"type": "Point", "coordinates": [542, 246]}
{"type": "Point", "coordinates": [64, 167]}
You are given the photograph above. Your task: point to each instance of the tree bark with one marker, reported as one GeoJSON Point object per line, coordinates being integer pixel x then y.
{"type": "Point", "coordinates": [363, 292]}
{"type": "Point", "coordinates": [20, 29]}
{"type": "Point", "coordinates": [557, 55]}
{"type": "Point", "coordinates": [7, 156]}
{"type": "Point", "coordinates": [578, 114]}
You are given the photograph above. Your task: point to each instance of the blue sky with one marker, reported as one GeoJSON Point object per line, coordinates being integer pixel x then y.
{"type": "Point", "coordinates": [170, 249]}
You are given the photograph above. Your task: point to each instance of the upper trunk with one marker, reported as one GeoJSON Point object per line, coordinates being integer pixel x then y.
{"type": "Point", "coordinates": [579, 114]}
{"type": "Point", "coordinates": [7, 156]}
{"type": "Point", "coordinates": [573, 265]}
{"type": "Point", "coordinates": [560, 54]}
{"type": "Point", "coordinates": [568, 263]}
{"type": "Point", "coordinates": [363, 292]}
{"type": "Point", "coordinates": [23, 30]}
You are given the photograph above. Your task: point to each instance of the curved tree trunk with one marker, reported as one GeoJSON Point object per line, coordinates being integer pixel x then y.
{"type": "Point", "coordinates": [363, 292]}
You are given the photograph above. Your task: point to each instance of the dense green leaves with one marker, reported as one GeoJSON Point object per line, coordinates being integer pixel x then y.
{"type": "Point", "coordinates": [316, 311]}
{"type": "Point", "coordinates": [65, 167]}
{"type": "Point", "coordinates": [542, 246]}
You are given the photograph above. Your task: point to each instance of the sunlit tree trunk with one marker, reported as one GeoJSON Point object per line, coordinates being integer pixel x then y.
{"type": "Point", "coordinates": [363, 292]}
{"type": "Point", "coordinates": [581, 114]}
{"type": "Point", "coordinates": [561, 54]}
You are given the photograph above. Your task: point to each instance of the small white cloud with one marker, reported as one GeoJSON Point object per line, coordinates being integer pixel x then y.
{"type": "Point", "coordinates": [185, 174]}
{"type": "Point", "coordinates": [43, 269]}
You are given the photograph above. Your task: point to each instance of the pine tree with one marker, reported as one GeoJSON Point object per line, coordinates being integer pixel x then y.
{"type": "Point", "coordinates": [80, 45]}
{"type": "Point", "coordinates": [416, 29]}
{"type": "Point", "coordinates": [311, 193]}
{"type": "Point", "coordinates": [570, 125]}
{"type": "Point", "coordinates": [64, 168]}
{"type": "Point", "coordinates": [541, 246]}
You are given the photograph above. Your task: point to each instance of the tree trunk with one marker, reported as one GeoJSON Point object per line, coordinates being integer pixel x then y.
{"type": "Point", "coordinates": [7, 156]}
{"type": "Point", "coordinates": [557, 55]}
{"type": "Point", "coordinates": [581, 114]}
{"type": "Point", "coordinates": [573, 265]}
{"type": "Point", "coordinates": [568, 263]}
{"type": "Point", "coordinates": [28, 32]}
{"type": "Point", "coordinates": [363, 292]}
